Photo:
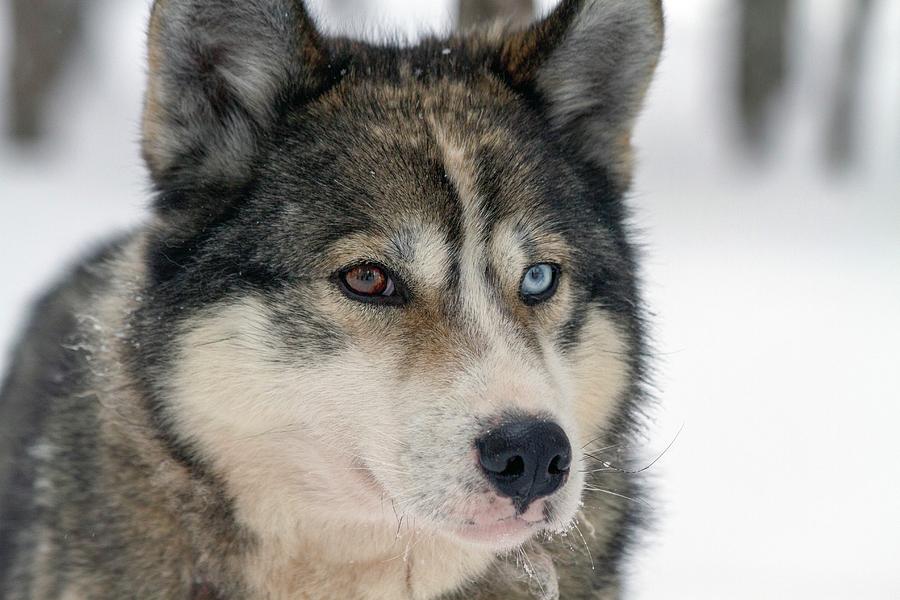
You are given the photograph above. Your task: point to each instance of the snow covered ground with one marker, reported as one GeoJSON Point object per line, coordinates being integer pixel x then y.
{"type": "Point", "coordinates": [776, 289]}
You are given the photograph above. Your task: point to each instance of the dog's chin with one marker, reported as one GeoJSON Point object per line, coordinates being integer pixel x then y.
{"type": "Point", "coordinates": [501, 535]}
{"type": "Point", "coordinates": [499, 525]}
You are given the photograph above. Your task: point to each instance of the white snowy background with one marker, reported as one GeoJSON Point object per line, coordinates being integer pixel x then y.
{"type": "Point", "coordinates": [775, 285]}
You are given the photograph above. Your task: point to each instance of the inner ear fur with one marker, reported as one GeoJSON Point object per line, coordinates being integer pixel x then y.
{"type": "Point", "coordinates": [590, 62]}
{"type": "Point", "coordinates": [218, 70]}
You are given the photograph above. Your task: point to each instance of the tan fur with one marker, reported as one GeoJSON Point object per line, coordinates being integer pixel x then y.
{"type": "Point", "coordinates": [247, 413]}
{"type": "Point", "coordinates": [280, 436]}
{"type": "Point", "coordinates": [266, 425]}
{"type": "Point", "coordinates": [254, 430]}
{"type": "Point", "coordinates": [599, 372]}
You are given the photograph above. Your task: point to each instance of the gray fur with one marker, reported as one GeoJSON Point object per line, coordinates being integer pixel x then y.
{"type": "Point", "coordinates": [596, 79]}
{"type": "Point", "coordinates": [217, 70]}
{"type": "Point", "coordinates": [174, 402]}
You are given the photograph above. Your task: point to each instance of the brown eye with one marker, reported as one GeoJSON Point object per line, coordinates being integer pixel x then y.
{"type": "Point", "coordinates": [368, 283]}
{"type": "Point", "coordinates": [367, 280]}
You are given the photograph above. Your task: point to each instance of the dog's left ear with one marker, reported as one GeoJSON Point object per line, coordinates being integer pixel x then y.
{"type": "Point", "coordinates": [218, 71]}
{"type": "Point", "coordinates": [589, 64]}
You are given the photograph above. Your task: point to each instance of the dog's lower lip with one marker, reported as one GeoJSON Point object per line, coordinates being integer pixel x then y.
{"type": "Point", "coordinates": [504, 529]}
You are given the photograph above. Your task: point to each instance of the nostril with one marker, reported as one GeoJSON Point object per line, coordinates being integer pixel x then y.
{"type": "Point", "coordinates": [515, 467]}
{"type": "Point", "coordinates": [559, 465]}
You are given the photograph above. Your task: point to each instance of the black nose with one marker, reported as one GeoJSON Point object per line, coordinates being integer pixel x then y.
{"type": "Point", "coordinates": [525, 460]}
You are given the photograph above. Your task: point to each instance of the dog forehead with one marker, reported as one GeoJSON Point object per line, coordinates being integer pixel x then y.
{"type": "Point", "coordinates": [395, 153]}
{"type": "Point", "coordinates": [415, 144]}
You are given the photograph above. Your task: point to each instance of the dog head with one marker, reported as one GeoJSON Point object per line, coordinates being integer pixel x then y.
{"type": "Point", "coordinates": [393, 284]}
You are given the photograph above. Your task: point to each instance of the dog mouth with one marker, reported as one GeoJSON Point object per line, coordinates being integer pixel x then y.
{"type": "Point", "coordinates": [512, 531]}
{"type": "Point", "coordinates": [501, 523]}
{"type": "Point", "coordinates": [491, 520]}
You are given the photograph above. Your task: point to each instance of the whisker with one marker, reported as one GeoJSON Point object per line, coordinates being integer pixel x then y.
{"type": "Point", "coordinates": [603, 449]}
{"type": "Point", "coordinates": [584, 541]}
{"type": "Point", "coordinates": [532, 573]}
{"type": "Point", "coordinates": [217, 341]}
{"type": "Point", "coordinates": [616, 494]}
{"type": "Point", "coordinates": [608, 467]}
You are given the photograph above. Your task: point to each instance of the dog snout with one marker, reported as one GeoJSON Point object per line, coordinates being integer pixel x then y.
{"type": "Point", "coordinates": [525, 460]}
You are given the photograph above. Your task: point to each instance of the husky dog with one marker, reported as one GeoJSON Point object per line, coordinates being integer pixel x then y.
{"type": "Point", "coordinates": [379, 339]}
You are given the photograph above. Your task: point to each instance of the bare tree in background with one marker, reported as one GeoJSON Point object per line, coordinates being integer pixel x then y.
{"type": "Point", "coordinates": [846, 101]}
{"type": "Point", "coordinates": [763, 60]}
{"type": "Point", "coordinates": [473, 12]}
{"type": "Point", "coordinates": [44, 32]}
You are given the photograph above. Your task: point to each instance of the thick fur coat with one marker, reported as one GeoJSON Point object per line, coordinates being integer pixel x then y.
{"type": "Point", "coordinates": [203, 409]}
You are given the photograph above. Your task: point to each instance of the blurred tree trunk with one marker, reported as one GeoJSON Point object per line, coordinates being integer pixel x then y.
{"type": "Point", "coordinates": [763, 60]}
{"type": "Point", "coordinates": [841, 129]}
{"type": "Point", "coordinates": [473, 12]}
{"type": "Point", "coordinates": [44, 32]}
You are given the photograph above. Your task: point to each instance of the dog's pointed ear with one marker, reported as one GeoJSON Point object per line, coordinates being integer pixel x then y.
{"type": "Point", "coordinates": [590, 62]}
{"type": "Point", "coordinates": [218, 71]}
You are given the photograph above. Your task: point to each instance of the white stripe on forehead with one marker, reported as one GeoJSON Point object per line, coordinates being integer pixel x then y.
{"type": "Point", "coordinates": [474, 291]}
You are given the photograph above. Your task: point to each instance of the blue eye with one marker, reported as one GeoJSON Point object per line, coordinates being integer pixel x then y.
{"type": "Point", "coordinates": [539, 283]}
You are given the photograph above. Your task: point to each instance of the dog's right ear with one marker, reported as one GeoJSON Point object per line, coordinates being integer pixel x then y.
{"type": "Point", "coordinates": [218, 71]}
{"type": "Point", "coordinates": [588, 64]}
